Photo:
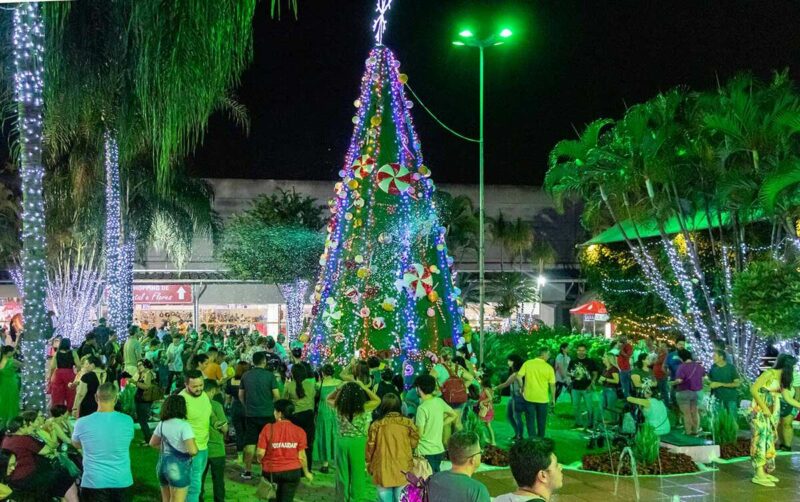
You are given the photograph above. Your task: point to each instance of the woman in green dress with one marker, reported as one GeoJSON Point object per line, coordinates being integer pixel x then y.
{"type": "Point", "coordinates": [326, 428]}
{"type": "Point", "coordinates": [9, 386]}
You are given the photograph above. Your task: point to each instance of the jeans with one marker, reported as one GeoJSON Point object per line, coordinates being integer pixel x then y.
{"type": "Point", "coordinates": [583, 397]}
{"type": "Point", "coordinates": [687, 402]}
{"type": "Point", "coordinates": [198, 468]}
{"type": "Point", "coordinates": [217, 467]}
{"type": "Point", "coordinates": [390, 494]}
{"type": "Point", "coordinates": [514, 413]}
{"type": "Point", "coordinates": [535, 412]}
{"type": "Point", "coordinates": [174, 470]}
{"type": "Point", "coordinates": [663, 389]}
{"type": "Point", "coordinates": [287, 482]}
{"type": "Point", "coordinates": [625, 382]}
{"type": "Point", "coordinates": [105, 494]}
{"type": "Point", "coordinates": [142, 417]}
{"type": "Point", "coordinates": [237, 418]}
{"type": "Point", "coordinates": [435, 461]}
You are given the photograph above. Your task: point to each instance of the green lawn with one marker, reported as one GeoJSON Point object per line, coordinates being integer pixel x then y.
{"type": "Point", "coordinates": [570, 447]}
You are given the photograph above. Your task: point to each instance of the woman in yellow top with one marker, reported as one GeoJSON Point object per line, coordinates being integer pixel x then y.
{"type": "Point", "coordinates": [767, 391]}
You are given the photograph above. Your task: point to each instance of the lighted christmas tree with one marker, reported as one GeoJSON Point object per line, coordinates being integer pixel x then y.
{"type": "Point", "coordinates": [386, 282]}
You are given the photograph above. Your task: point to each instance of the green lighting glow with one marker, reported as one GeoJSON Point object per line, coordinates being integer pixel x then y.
{"type": "Point", "coordinates": [458, 43]}
{"type": "Point", "coordinates": [466, 33]}
{"type": "Point", "coordinates": [498, 43]}
{"type": "Point", "coordinates": [505, 33]}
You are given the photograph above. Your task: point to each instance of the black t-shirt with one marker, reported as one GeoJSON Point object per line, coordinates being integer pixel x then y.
{"type": "Point", "coordinates": [257, 384]}
{"type": "Point", "coordinates": [580, 370]}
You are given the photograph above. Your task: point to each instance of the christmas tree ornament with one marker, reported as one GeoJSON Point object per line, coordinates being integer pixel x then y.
{"type": "Point", "coordinates": [418, 280]}
{"type": "Point", "coordinates": [394, 179]}
{"type": "Point", "coordinates": [378, 323]}
{"type": "Point", "coordinates": [363, 166]}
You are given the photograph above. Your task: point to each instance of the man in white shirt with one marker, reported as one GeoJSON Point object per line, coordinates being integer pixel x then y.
{"type": "Point", "coordinates": [174, 355]}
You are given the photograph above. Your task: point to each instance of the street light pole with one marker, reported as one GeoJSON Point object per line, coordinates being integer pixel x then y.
{"type": "Point", "coordinates": [469, 39]}
{"type": "Point", "coordinates": [481, 209]}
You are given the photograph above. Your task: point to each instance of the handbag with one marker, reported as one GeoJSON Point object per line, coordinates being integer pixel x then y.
{"type": "Point", "coordinates": [153, 393]}
{"type": "Point", "coordinates": [420, 467]}
{"type": "Point", "coordinates": [267, 490]}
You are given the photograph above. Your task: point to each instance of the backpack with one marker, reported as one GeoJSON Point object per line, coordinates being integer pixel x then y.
{"type": "Point", "coordinates": [454, 391]}
{"type": "Point", "coordinates": [416, 490]}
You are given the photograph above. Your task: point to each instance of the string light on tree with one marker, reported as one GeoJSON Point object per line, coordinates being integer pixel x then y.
{"type": "Point", "coordinates": [28, 42]}
{"type": "Point", "coordinates": [113, 240]}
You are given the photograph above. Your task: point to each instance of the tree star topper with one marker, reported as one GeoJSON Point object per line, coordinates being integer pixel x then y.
{"type": "Point", "coordinates": [379, 25]}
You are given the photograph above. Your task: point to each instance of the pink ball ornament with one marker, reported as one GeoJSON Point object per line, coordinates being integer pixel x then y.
{"type": "Point", "coordinates": [430, 312]}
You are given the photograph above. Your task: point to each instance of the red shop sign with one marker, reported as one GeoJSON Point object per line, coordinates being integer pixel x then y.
{"type": "Point", "coordinates": [162, 294]}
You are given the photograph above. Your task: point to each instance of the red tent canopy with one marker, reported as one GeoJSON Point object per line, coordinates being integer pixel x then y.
{"type": "Point", "coordinates": [593, 307]}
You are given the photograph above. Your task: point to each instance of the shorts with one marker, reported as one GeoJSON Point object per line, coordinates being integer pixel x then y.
{"type": "Point", "coordinates": [174, 471]}
{"type": "Point", "coordinates": [787, 410]}
{"type": "Point", "coordinates": [253, 427]}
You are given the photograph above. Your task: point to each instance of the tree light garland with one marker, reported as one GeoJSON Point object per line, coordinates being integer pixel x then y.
{"type": "Point", "coordinates": [115, 303]}
{"type": "Point", "coordinates": [293, 293]}
{"type": "Point", "coordinates": [28, 41]}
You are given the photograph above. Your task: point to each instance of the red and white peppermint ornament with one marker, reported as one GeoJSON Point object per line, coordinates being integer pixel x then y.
{"type": "Point", "coordinates": [363, 166]}
{"type": "Point", "coordinates": [393, 179]}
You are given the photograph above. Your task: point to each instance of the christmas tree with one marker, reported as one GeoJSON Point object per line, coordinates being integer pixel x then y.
{"type": "Point", "coordinates": [386, 279]}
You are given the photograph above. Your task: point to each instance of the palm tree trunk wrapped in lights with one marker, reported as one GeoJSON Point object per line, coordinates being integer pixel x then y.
{"type": "Point", "coordinates": [28, 86]}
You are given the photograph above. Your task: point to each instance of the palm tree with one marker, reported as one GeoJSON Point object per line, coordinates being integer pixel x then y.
{"type": "Point", "coordinates": [28, 59]}
{"type": "Point", "coordinates": [519, 241]}
{"type": "Point", "coordinates": [500, 230]}
{"type": "Point", "coordinates": [509, 290]}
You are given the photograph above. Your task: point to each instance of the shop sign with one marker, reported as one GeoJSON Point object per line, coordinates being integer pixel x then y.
{"type": "Point", "coordinates": [162, 294]}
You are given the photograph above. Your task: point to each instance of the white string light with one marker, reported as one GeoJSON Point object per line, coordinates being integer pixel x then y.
{"type": "Point", "coordinates": [379, 25]}
{"type": "Point", "coordinates": [113, 240]}
{"type": "Point", "coordinates": [28, 41]}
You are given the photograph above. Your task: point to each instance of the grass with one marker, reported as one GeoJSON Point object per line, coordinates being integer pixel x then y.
{"type": "Point", "coordinates": [570, 447]}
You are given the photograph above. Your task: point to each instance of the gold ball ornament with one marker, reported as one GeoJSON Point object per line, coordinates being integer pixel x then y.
{"type": "Point", "coordinates": [303, 338]}
{"type": "Point", "coordinates": [362, 273]}
{"type": "Point", "coordinates": [403, 78]}
{"type": "Point", "coordinates": [353, 184]}
{"type": "Point", "coordinates": [424, 171]}
{"type": "Point", "coordinates": [433, 297]}
{"type": "Point", "coordinates": [375, 120]}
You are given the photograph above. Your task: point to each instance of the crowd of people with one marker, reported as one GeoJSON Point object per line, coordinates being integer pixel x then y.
{"type": "Point", "coordinates": [215, 394]}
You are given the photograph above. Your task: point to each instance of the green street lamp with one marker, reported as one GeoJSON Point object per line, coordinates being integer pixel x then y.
{"type": "Point", "coordinates": [467, 38]}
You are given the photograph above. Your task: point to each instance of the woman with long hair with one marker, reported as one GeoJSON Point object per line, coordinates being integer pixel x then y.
{"type": "Point", "coordinates": [91, 376]}
{"type": "Point", "coordinates": [62, 373]}
{"type": "Point", "coordinates": [516, 402]}
{"type": "Point", "coordinates": [9, 386]}
{"type": "Point", "coordinates": [326, 428]}
{"type": "Point", "coordinates": [353, 402]}
{"type": "Point", "coordinates": [390, 449]}
{"type": "Point", "coordinates": [767, 391]}
{"type": "Point", "coordinates": [174, 438]}
{"type": "Point", "coordinates": [281, 451]}
{"type": "Point", "coordinates": [301, 390]}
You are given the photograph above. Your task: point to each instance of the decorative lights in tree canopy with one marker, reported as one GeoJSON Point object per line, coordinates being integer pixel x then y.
{"type": "Point", "coordinates": [386, 283]}
{"type": "Point", "coordinates": [28, 42]}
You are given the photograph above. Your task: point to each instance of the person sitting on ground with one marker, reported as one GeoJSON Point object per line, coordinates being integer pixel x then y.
{"type": "Point", "coordinates": [653, 409]}
{"type": "Point", "coordinates": [535, 469]}
{"type": "Point", "coordinates": [457, 485]}
{"type": "Point", "coordinates": [32, 474]}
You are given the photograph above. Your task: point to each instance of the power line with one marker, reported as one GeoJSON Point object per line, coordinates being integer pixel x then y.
{"type": "Point", "coordinates": [466, 138]}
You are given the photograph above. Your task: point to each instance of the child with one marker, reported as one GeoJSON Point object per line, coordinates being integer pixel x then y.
{"type": "Point", "coordinates": [486, 405]}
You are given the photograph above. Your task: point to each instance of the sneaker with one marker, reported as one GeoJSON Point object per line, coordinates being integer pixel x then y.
{"type": "Point", "coordinates": [763, 482]}
{"type": "Point", "coordinates": [771, 478]}
{"type": "Point", "coordinates": [246, 475]}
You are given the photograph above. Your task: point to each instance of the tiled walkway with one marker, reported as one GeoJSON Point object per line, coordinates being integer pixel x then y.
{"type": "Point", "coordinates": [730, 483]}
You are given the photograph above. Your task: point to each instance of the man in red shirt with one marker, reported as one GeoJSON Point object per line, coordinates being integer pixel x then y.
{"type": "Point", "coordinates": [624, 364]}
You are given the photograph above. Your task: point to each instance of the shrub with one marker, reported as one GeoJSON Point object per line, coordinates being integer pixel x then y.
{"type": "Point", "coordinates": [726, 427]}
{"type": "Point", "coordinates": [646, 445]}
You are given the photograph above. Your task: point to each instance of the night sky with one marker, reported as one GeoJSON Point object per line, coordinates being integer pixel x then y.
{"type": "Point", "coordinates": [569, 63]}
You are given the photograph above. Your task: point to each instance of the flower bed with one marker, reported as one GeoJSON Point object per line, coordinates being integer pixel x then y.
{"type": "Point", "coordinates": [741, 448]}
{"type": "Point", "coordinates": [670, 463]}
{"type": "Point", "coordinates": [492, 455]}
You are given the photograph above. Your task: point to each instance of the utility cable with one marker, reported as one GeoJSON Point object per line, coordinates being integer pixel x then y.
{"type": "Point", "coordinates": [465, 138]}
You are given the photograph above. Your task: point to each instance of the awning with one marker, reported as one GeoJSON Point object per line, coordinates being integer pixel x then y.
{"type": "Point", "coordinates": [593, 307]}
{"type": "Point", "coordinates": [649, 228]}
